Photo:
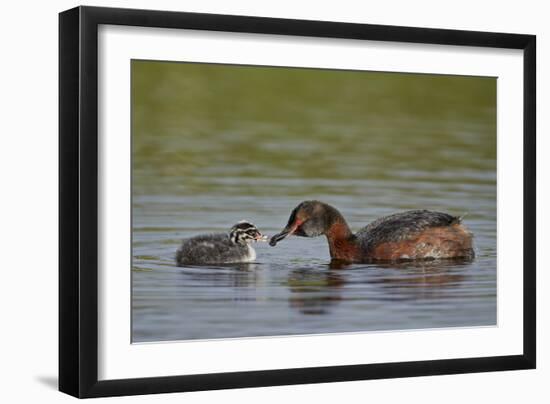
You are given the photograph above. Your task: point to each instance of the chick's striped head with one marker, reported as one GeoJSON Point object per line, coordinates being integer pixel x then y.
{"type": "Point", "coordinates": [245, 232]}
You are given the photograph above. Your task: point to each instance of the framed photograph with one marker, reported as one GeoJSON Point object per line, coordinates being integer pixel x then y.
{"type": "Point", "coordinates": [251, 201]}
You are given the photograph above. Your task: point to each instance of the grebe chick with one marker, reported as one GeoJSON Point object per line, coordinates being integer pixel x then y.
{"type": "Point", "coordinates": [221, 248]}
{"type": "Point", "coordinates": [411, 235]}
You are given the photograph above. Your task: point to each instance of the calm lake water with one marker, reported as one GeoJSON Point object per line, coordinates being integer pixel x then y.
{"type": "Point", "coordinates": [215, 144]}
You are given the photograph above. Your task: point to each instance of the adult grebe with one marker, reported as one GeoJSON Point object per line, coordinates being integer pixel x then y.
{"type": "Point", "coordinates": [411, 235]}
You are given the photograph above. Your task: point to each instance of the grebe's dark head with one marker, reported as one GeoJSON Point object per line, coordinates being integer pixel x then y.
{"type": "Point", "coordinates": [308, 219]}
{"type": "Point", "coordinates": [245, 232]}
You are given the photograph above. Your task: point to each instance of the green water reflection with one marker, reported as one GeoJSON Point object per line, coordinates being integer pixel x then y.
{"type": "Point", "coordinates": [198, 120]}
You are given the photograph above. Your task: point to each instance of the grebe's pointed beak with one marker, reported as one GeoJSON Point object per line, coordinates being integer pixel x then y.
{"type": "Point", "coordinates": [287, 231]}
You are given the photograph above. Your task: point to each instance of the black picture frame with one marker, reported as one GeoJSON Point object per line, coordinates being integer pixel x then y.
{"type": "Point", "coordinates": [78, 201]}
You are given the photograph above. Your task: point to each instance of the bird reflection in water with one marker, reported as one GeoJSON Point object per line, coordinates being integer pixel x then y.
{"type": "Point", "coordinates": [422, 278]}
{"type": "Point", "coordinates": [240, 278]}
{"type": "Point", "coordinates": [315, 292]}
